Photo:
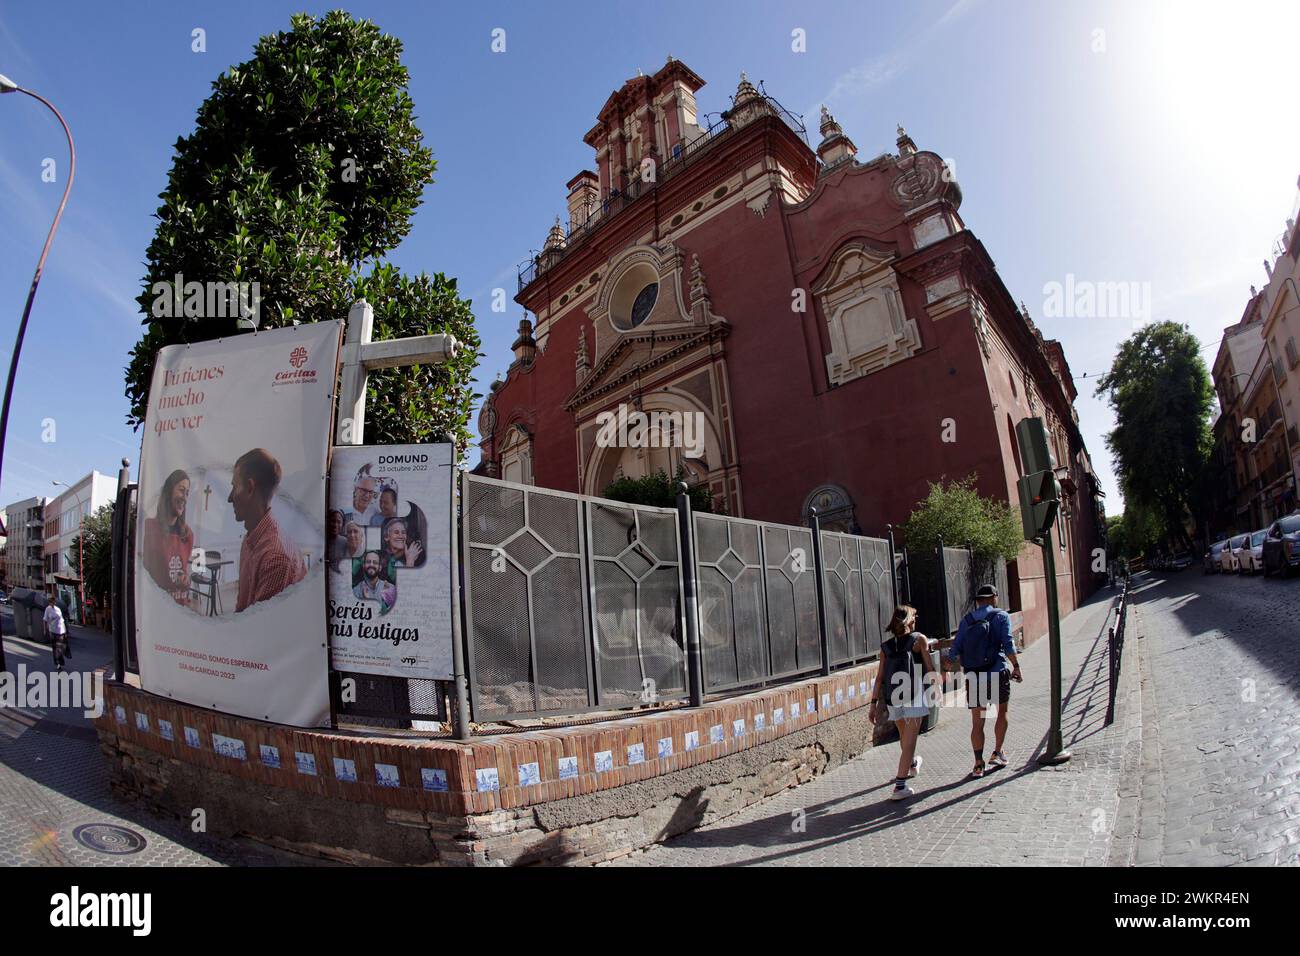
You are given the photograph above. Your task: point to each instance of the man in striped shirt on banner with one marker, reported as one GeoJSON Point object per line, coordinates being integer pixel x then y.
{"type": "Point", "coordinates": [267, 562]}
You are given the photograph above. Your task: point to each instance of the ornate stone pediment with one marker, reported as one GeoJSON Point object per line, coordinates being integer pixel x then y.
{"type": "Point", "coordinates": [638, 354]}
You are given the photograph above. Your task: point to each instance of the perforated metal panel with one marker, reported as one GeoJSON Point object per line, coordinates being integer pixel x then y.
{"type": "Point", "coordinates": [525, 591]}
{"type": "Point", "coordinates": [858, 590]}
{"type": "Point", "coordinates": [572, 603]}
{"type": "Point", "coordinates": [960, 575]}
{"type": "Point", "coordinates": [636, 600]}
{"type": "Point", "coordinates": [758, 601]}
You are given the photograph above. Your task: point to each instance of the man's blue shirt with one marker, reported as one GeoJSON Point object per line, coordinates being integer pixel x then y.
{"type": "Point", "coordinates": [999, 626]}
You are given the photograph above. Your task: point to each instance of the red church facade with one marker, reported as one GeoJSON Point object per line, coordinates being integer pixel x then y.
{"type": "Point", "coordinates": [840, 336]}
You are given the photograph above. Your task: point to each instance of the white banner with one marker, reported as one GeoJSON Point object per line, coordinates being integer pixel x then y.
{"type": "Point", "coordinates": [230, 569]}
{"type": "Point", "coordinates": [388, 545]}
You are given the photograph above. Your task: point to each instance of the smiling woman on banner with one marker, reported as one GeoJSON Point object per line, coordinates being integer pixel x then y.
{"type": "Point", "coordinates": [169, 540]}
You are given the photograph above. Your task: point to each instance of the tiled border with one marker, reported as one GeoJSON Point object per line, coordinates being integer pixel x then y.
{"type": "Point", "coordinates": [487, 773]}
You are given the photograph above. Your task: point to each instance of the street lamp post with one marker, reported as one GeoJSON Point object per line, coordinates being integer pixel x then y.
{"type": "Point", "coordinates": [9, 86]}
{"type": "Point", "coordinates": [81, 550]}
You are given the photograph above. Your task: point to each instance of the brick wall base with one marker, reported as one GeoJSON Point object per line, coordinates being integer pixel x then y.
{"type": "Point", "coordinates": [585, 828]}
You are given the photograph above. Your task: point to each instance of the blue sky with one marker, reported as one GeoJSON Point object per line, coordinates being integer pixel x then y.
{"type": "Point", "coordinates": [1143, 142]}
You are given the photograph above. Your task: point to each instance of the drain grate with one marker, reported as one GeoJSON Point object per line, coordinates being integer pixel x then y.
{"type": "Point", "coordinates": [108, 838]}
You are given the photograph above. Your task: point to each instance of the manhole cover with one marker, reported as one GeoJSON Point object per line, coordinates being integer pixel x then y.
{"type": "Point", "coordinates": [106, 838]}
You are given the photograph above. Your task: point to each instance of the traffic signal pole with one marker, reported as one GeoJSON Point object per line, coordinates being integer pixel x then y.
{"type": "Point", "coordinates": [1056, 752]}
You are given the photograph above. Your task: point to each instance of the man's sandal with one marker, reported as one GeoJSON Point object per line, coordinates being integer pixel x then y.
{"type": "Point", "coordinates": [979, 769]}
{"type": "Point", "coordinates": [998, 759]}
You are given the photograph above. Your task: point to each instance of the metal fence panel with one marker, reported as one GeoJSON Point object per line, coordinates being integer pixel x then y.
{"type": "Point", "coordinates": [525, 589]}
{"type": "Point", "coordinates": [636, 597]}
{"type": "Point", "coordinates": [733, 607]}
{"type": "Point", "coordinates": [790, 585]}
{"type": "Point", "coordinates": [845, 601]}
{"type": "Point", "coordinates": [959, 572]}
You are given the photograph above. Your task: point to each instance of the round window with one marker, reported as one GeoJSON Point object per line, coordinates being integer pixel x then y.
{"type": "Point", "coordinates": [645, 301]}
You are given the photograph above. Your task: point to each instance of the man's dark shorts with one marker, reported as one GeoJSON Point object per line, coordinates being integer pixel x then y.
{"type": "Point", "coordinates": [982, 688]}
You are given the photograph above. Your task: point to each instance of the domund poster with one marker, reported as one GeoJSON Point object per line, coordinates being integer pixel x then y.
{"type": "Point", "coordinates": [388, 550]}
{"type": "Point", "coordinates": [230, 541]}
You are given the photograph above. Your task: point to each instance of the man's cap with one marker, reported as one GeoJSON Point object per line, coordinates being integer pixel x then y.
{"type": "Point", "coordinates": [986, 591]}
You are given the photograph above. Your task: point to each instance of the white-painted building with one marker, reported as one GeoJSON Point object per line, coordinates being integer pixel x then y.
{"type": "Point", "coordinates": [63, 517]}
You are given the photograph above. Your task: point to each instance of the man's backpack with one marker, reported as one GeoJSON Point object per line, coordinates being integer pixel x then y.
{"type": "Point", "coordinates": [980, 650]}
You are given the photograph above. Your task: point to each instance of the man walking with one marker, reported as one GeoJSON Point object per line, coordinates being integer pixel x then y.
{"type": "Point", "coordinates": [987, 655]}
{"type": "Point", "coordinates": [57, 631]}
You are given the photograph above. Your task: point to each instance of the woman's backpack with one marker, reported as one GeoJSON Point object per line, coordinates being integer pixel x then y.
{"type": "Point", "coordinates": [899, 659]}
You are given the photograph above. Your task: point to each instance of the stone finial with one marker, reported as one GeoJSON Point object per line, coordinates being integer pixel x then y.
{"type": "Point", "coordinates": [525, 346]}
{"type": "Point", "coordinates": [555, 238]}
{"type": "Point", "coordinates": [581, 361]}
{"type": "Point", "coordinates": [747, 104]}
{"type": "Point", "coordinates": [1253, 292]}
{"type": "Point", "coordinates": [835, 148]}
{"type": "Point", "coordinates": [699, 288]}
{"type": "Point", "coordinates": [906, 147]}
{"type": "Point", "coordinates": [828, 124]}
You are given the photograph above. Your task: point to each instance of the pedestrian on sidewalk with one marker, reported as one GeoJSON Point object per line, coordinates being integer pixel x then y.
{"type": "Point", "coordinates": [899, 691]}
{"type": "Point", "coordinates": [987, 655]}
{"type": "Point", "coordinates": [57, 631]}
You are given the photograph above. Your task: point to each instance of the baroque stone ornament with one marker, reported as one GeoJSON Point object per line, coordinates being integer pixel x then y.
{"type": "Point", "coordinates": [919, 181]}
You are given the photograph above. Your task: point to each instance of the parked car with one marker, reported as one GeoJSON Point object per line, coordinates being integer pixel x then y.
{"type": "Point", "coordinates": [1281, 551]}
{"type": "Point", "coordinates": [1251, 557]}
{"type": "Point", "coordinates": [1180, 561]}
{"type": "Point", "coordinates": [1230, 557]}
{"type": "Point", "coordinates": [1213, 557]}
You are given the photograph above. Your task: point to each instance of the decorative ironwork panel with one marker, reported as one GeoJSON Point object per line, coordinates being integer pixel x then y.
{"type": "Point", "coordinates": [525, 592]}
{"type": "Point", "coordinates": [733, 613]}
{"type": "Point", "coordinates": [636, 600]}
{"type": "Point", "coordinates": [790, 581]}
{"type": "Point", "coordinates": [845, 611]}
{"type": "Point", "coordinates": [959, 572]}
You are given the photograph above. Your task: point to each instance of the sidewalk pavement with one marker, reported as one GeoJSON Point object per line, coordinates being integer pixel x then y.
{"type": "Point", "coordinates": [1078, 813]}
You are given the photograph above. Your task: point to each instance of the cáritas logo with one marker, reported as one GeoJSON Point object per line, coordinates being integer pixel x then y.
{"type": "Point", "coordinates": [299, 376]}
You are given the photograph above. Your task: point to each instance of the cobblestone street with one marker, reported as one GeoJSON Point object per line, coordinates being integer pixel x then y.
{"type": "Point", "coordinates": [1193, 771]}
{"type": "Point", "coordinates": [1199, 767]}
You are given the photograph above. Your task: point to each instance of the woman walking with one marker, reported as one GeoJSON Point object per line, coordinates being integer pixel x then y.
{"type": "Point", "coordinates": [899, 692]}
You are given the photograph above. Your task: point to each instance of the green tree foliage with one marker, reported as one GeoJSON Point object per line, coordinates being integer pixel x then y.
{"type": "Point", "coordinates": [305, 163]}
{"type": "Point", "coordinates": [1160, 392]}
{"type": "Point", "coordinates": [956, 512]}
{"type": "Point", "coordinates": [98, 556]}
{"type": "Point", "coordinates": [1131, 534]}
{"type": "Point", "coordinates": [659, 490]}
